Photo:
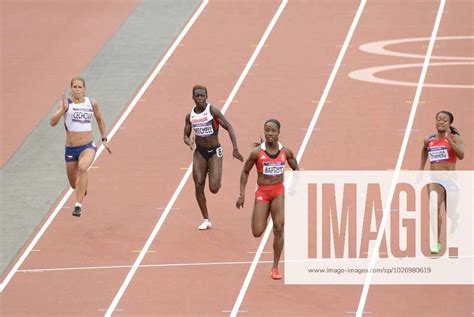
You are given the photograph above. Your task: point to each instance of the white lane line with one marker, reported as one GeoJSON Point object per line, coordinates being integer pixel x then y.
{"type": "Point", "coordinates": [255, 54]}
{"type": "Point", "coordinates": [37, 237]}
{"type": "Point", "coordinates": [307, 136]}
{"type": "Point", "coordinates": [171, 265]}
{"type": "Point", "coordinates": [306, 129]}
{"type": "Point", "coordinates": [108, 267]}
{"type": "Point", "coordinates": [101, 148]}
{"type": "Point", "coordinates": [104, 309]}
{"type": "Point", "coordinates": [386, 212]}
{"type": "Point", "coordinates": [165, 213]}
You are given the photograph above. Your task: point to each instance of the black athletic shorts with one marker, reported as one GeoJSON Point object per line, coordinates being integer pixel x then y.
{"type": "Point", "coordinates": [207, 153]}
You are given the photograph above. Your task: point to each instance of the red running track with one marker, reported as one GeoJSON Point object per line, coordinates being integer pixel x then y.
{"type": "Point", "coordinates": [127, 190]}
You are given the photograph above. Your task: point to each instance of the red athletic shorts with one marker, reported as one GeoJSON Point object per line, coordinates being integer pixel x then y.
{"type": "Point", "coordinates": [266, 193]}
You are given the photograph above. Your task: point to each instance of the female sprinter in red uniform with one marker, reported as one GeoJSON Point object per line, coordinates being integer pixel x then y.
{"type": "Point", "coordinates": [270, 158]}
{"type": "Point", "coordinates": [443, 149]}
{"type": "Point", "coordinates": [80, 148]}
{"type": "Point", "coordinates": [205, 120]}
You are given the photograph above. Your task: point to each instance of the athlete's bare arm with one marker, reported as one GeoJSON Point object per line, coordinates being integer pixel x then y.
{"type": "Point", "coordinates": [456, 144]}
{"type": "Point", "coordinates": [62, 107]}
{"type": "Point", "coordinates": [216, 113]}
{"type": "Point", "coordinates": [291, 159]}
{"type": "Point", "coordinates": [424, 154]}
{"type": "Point", "coordinates": [244, 176]}
{"type": "Point", "coordinates": [187, 132]}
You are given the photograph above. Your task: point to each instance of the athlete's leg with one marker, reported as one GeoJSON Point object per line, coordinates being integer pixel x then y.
{"type": "Point", "coordinates": [215, 172]}
{"type": "Point", "coordinates": [436, 213]}
{"type": "Point", "coordinates": [260, 213]}
{"type": "Point", "coordinates": [451, 204]}
{"type": "Point", "coordinates": [199, 176]}
{"type": "Point", "coordinates": [71, 169]}
{"type": "Point", "coordinates": [278, 216]}
{"type": "Point", "coordinates": [452, 211]}
{"type": "Point", "coordinates": [85, 160]}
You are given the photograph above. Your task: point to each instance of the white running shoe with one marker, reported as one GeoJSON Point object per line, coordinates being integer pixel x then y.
{"type": "Point", "coordinates": [205, 225]}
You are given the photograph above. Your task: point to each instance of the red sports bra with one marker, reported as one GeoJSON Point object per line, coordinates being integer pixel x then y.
{"type": "Point", "coordinates": [440, 151]}
{"type": "Point", "coordinates": [271, 165]}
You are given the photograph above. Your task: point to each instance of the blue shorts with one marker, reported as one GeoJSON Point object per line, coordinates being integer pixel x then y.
{"type": "Point", "coordinates": [72, 152]}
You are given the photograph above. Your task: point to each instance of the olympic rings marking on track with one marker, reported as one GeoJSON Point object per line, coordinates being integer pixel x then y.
{"type": "Point", "coordinates": [379, 47]}
{"type": "Point", "coordinates": [368, 74]}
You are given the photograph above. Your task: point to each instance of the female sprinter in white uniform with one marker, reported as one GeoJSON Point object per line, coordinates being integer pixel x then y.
{"type": "Point", "coordinates": [80, 148]}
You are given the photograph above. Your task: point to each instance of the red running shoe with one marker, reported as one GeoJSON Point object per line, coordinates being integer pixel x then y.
{"type": "Point", "coordinates": [275, 274]}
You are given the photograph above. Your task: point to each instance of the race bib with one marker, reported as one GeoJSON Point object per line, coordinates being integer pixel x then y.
{"type": "Point", "coordinates": [219, 152]}
{"type": "Point", "coordinates": [204, 130]}
{"type": "Point", "coordinates": [438, 154]}
{"type": "Point", "coordinates": [273, 168]}
{"type": "Point", "coordinates": [82, 115]}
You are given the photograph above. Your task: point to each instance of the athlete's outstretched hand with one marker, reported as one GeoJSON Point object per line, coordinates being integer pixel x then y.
{"type": "Point", "coordinates": [237, 155]}
{"type": "Point", "coordinates": [240, 202]}
{"type": "Point", "coordinates": [64, 103]}
{"type": "Point", "coordinates": [106, 146]}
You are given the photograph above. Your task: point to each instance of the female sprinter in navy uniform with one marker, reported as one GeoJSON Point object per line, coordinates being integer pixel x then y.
{"type": "Point", "coordinates": [443, 149]}
{"type": "Point", "coordinates": [80, 148]}
{"type": "Point", "coordinates": [205, 120]}
{"type": "Point", "coordinates": [270, 158]}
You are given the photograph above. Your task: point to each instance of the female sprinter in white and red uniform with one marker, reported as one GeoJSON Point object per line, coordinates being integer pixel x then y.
{"type": "Point", "coordinates": [205, 120]}
{"type": "Point", "coordinates": [270, 158]}
{"type": "Point", "coordinates": [80, 148]}
{"type": "Point", "coordinates": [443, 149]}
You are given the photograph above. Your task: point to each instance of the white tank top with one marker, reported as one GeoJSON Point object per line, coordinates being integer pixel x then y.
{"type": "Point", "coordinates": [78, 116]}
{"type": "Point", "coordinates": [203, 123]}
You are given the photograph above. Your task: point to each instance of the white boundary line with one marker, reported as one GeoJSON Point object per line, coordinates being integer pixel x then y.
{"type": "Point", "coordinates": [307, 136]}
{"type": "Point", "coordinates": [386, 211]}
{"type": "Point", "coordinates": [165, 213]}
{"type": "Point", "coordinates": [101, 148]}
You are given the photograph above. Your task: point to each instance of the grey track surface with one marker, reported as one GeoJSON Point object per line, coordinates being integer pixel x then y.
{"type": "Point", "coordinates": [34, 177]}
